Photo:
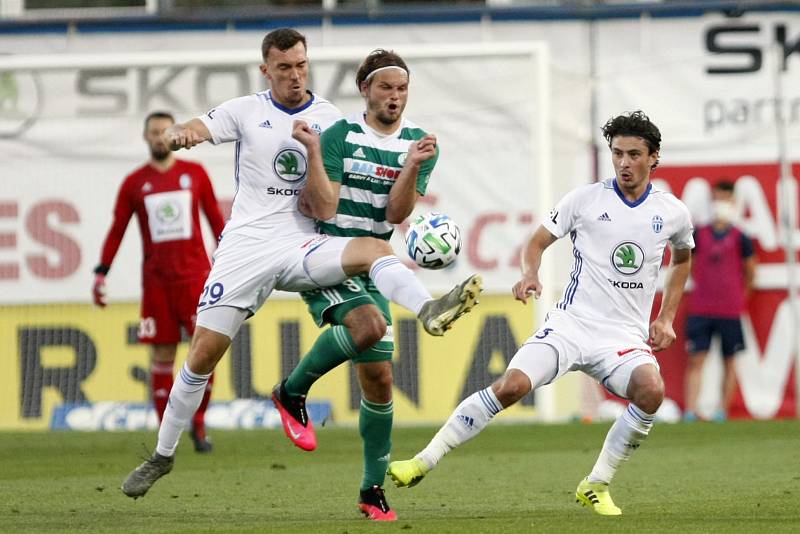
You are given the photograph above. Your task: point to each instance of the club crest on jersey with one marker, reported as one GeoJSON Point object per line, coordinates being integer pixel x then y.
{"type": "Point", "coordinates": [317, 128]}
{"type": "Point", "coordinates": [627, 258]}
{"type": "Point", "coordinates": [185, 181]}
{"type": "Point", "coordinates": [147, 187]}
{"type": "Point", "coordinates": [657, 223]}
{"type": "Point", "coordinates": [401, 158]}
{"type": "Point", "coordinates": [168, 212]}
{"type": "Point", "coordinates": [290, 165]}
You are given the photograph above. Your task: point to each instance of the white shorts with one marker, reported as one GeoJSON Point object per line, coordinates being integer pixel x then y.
{"type": "Point", "coordinates": [604, 351]}
{"type": "Point", "coordinates": [247, 269]}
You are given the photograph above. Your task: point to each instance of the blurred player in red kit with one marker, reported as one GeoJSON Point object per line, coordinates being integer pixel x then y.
{"type": "Point", "coordinates": [166, 195]}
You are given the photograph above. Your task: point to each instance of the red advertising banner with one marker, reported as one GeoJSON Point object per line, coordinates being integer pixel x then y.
{"type": "Point", "coordinates": [766, 368]}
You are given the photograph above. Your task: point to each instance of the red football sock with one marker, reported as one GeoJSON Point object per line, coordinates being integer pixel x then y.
{"type": "Point", "coordinates": [199, 419]}
{"type": "Point", "coordinates": [160, 385]}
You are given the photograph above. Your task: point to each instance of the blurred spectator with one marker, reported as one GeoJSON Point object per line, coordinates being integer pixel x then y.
{"type": "Point", "coordinates": [722, 268]}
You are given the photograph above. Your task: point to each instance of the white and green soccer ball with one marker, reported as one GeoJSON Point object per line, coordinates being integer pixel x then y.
{"type": "Point", "coordinates": [433, 240]}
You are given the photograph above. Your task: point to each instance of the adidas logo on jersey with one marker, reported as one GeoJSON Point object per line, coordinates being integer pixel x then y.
{"type": "Point", "coordinates": [359, 153]}
{"type": "Point", "coordinates": [604, 217]}
{"type": "Point", "coordinates": [265, 124]}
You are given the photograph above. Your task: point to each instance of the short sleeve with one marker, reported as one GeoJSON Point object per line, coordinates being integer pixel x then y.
{"type": "Point", "coordinates": [332, 142]}
{"type": "Point", "coordinates": [224, 121]}
{"type": "Point", "coordinates": [561, 219]}
{"type": "Point", "coordinates": [683, 237]}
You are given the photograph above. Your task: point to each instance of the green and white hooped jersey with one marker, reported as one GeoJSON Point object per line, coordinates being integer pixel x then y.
{"type": "Point", "coordinates": [618, 247]}
{"type": "Point", "coordinates": [270, 167]}
{"type": "Point", "coordinates": [367, 164]}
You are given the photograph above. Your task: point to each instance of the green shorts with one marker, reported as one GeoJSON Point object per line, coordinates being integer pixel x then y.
{"type": "Point", "coordinates": [329, 305]}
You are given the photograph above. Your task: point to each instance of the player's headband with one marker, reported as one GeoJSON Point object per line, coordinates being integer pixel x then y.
{"type": "Point", "coordinates": [379, 69]}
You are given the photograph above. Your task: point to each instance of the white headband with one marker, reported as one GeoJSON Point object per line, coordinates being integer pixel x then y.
{"type": "Point", "coordinates": [371, 74]}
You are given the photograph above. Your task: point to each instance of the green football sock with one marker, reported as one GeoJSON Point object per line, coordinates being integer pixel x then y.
{"type": "Point", "coordinates": [333, 347]}
{"type": "Point", "coordinates": [375, 426]}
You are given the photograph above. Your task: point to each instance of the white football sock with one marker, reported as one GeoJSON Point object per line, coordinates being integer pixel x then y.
{"type": "Point", "coordinates": [184, 399]}
{"type": "Point", "coordinates": [397, 283]}
{"type": "Point", "coordinates": [625, 435]}
{"type": "Point", "coordinates": [466, 422]}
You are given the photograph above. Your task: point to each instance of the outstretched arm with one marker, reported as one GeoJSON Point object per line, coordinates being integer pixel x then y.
{"type": "Point", "coordinates": [661, 332]}
{"type": "Point", "coordinates": [531, 260]}
{"type": "Point", "coordinates": [186, 134]}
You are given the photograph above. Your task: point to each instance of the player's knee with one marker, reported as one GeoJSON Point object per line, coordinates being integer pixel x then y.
{"type": "Point", "coordinates": [361, 252]}
{"type": "Point", "coordinates": [374, 248]}
{"type": "Point", "coordinates": [206, 350]}
{"type": "Point", "coordinates": [368, 330]}
{"type": "Point", "coordinates": [647, 391]}
{"type": "Point", "coordinates": [511, 387]}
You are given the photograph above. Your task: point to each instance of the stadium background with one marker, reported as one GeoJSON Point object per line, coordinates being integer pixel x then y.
{"type": "Point", "coordinates": [518, 127]}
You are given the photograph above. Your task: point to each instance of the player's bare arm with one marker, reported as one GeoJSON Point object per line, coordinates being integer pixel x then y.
{"type": "Point", "coordinates": [749, 275]}
{"type": "Point", "coordinates": [319, 198]}
{"type": "Point", "coordinates": [529, 284]}
{"type": "Point", "coordinates": [186, 134]}
{"type": "Point", "coordinates": [403, 195]}
{"type": "Point", "coordinates": [662, 335]}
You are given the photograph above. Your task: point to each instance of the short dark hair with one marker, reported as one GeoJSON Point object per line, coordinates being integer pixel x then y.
{"type": "Point", "coordinates": [158, 115]}
{"type": "Point", "coordinates": [724, 185]}
{"type": "Point", "coordinates": [377, 59]}
{"type": "Point", "coordinates": [282, 39]}
{"type": "Point", "coordinates": [635, 124]}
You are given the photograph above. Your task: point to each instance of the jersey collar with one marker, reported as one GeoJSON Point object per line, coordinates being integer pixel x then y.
{"type": "Point", "coordinates": [291, 111]}
{"type": "Point", "coordinates": [628, 202]}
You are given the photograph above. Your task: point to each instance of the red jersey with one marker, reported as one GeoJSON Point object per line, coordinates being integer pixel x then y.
{"type": "Point", "coordinates": [719, 272]}
{"type": "Point", "coordinates": [167, 206]}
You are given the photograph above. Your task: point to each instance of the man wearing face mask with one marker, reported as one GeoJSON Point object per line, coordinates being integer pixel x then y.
{"type": "Point", "coordinates": [723, 266]}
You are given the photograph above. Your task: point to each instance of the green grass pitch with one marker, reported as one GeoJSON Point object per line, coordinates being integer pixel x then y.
{"type": "Point", "coordinates": [703, 477]}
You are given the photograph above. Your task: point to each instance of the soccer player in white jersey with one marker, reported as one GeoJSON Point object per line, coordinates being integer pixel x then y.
{"type": "Point", "coordinates": [619, 229]}
{"type": "Point", "coordinates": [268, 243]}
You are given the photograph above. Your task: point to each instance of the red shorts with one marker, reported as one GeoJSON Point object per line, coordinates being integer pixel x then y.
{"type": "Point", "coordinates": [168, 307]}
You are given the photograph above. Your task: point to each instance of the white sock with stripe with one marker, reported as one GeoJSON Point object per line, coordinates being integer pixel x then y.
{"type": "Point", "coordinates": [627, 432]}
{"type": "Point", "coordinates": [466, 422]}
{"type": "Point", "coordinates": [184, 399]}
{"type": "Point", "coordinates": [397, 283]}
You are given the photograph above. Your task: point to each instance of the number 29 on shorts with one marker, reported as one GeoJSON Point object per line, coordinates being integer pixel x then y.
{"type": "Point", "coordinates": [211, 294]}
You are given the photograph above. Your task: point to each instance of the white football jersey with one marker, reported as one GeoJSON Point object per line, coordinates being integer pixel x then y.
{"type": "Point", "coordinates": [618, 248]}
{"type": "Point", "coordinates": [270, 166]}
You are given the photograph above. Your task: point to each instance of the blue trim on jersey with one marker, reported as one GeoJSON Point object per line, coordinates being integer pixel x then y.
{"type": "Point", "coordinates": [572, 287]}
{"type": "Point", "coordinates": [635, 202]}
{"type": "Point", "coordinates": [237, 152]}
{"type": "Point", "coordinates": [292, 111]}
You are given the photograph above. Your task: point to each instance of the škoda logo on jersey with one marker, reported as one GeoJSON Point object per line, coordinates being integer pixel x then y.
{"type": "Point", "coordinates": [290, 165]}
{"type": "Point", "coordinates": [627, 258]}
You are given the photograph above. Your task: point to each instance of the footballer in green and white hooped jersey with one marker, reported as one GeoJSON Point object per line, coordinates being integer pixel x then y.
{"type": "Point", "coordinates": [379, 163]}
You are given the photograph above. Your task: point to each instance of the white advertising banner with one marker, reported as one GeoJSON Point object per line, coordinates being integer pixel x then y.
{"type": "Point", "coordinates": [514, 137]}
{"type": "Point", "coordinates": [73, 130]}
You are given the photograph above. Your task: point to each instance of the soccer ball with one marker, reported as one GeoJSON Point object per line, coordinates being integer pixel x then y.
{"type": "Point", "coordinates": [433, 240]}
